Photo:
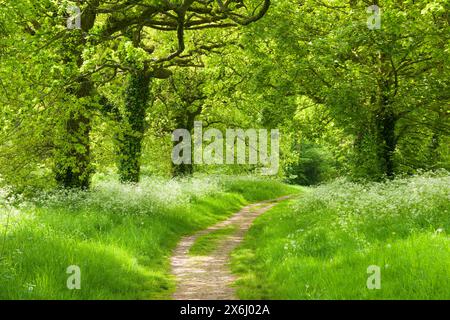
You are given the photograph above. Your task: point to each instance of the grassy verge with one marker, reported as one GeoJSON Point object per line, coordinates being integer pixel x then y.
{"type": "Point", "coordinates": [321, 245]}
{"type": "Point", "coordinates": [121, 237]}
{"type": "Point", "coordinates": [206, 244]}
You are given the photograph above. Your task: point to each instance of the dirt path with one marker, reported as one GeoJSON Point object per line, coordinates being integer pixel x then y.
{"type": "Point", "coordinates": [209, 277]}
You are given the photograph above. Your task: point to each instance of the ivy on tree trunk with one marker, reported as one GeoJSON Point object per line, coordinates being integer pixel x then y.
{"type": "Point", "coordinates": [73, 153]}
{"type": "Point", "coordinates": [129, 141]}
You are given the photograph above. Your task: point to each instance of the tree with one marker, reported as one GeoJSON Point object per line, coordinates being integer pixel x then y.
{"type": "Point", "coordinates": [379, 85]}
{"type": "Point", "coordinates": [140, 40]}
{"type": "Point", "coordinates": [134, 24]}
{"type": "Point", "coordinates": [183, 97]}
{"type": "Point", "coordinates": [73, 152]}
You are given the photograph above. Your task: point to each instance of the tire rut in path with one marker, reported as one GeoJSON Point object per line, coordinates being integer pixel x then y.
{"type": "Point", "coordinates": [209, 277]}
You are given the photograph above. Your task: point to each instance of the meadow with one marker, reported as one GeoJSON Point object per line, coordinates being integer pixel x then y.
{"type": "Point", "coordinates": [321, 245]}
{"type": "Point", "coordinates": [120, 236]}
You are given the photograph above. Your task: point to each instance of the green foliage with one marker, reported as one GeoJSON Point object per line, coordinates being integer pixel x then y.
{"type": "Point", "coordinates": [375, 101]}
{"type": "Point", "coordinates": [320, 245]}
{"type": "Point", "coordinates": [387, 89]}
{"type": "Point", "coordinates": [315, 165]}
{"type": "Point", "coordinates": [64, 82]}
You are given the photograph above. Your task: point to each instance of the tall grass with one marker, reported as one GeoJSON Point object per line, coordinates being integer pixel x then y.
{"type": "Point", "coordinates": [320, 246]}
{"type": "Point", "coordinates": [121, 236]}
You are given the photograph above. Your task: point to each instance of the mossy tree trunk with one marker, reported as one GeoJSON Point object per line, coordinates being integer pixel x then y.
{"type": "Point", "coordinates": [129, 141]}
{"type": "Point", "coordinates": [72, 161]}
{"type": "Point", "coordinates": [185, 121]}
{"type": "Point", "coordinates": [388, 142]}
{"type": "Point", "coordinates": [183, 169]}
{"type": "Point", "coordinates": [73, 153]}
{"type": "Point", "coordinates": [385, 122]}
{"type": "Point", "coordinates": [385, 117]}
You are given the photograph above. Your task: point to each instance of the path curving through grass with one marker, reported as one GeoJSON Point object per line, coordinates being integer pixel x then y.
{"type": "Point", "coordinates": [208, 276]}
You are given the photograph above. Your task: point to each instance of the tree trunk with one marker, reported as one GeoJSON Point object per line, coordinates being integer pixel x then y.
{"type": "Point", "coordinates": [386, 119]}
{"type": "Point", "coordinates": [129, 142]}
{"type": "Point", "coordinates": [385, 123]}
{"type": "Point", "coordinates": [185, 121]}
{"type": "Point", "coordinates": [73, 155]}
{"type": "Point", "coordinates": [434, 150]}
{"type": "Point", "coordinates": [182, 170]}
{"type": "Point", "coordinates": [435, 143]}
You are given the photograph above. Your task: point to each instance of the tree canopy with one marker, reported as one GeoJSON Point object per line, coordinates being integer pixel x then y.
{"type": "Point", "coordinates": [365, 102]}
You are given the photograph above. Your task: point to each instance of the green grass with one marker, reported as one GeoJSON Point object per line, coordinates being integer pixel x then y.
{"type": "Point", "coordinates": [121, 237]}
{"type": "Point", "coordinates": [207, 243]}
{"type": "Point", "coordinates": [320, 245]}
